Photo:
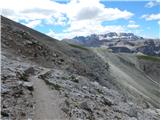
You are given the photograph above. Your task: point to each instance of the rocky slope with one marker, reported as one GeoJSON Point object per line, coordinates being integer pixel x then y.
{"type": "Point", "coordinates": [43, 78]}
{"type": "Point", "coordinates": [122, 42]}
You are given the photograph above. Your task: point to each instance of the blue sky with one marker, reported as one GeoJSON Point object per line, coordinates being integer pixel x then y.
{"type": "Point", "coordinates": [139, 8]}
{"type": "Point", "coordinates": [66, 19]}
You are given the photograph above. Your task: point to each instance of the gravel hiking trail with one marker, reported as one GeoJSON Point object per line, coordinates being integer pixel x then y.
{"type": "Point", "coordinates": [47, 100]}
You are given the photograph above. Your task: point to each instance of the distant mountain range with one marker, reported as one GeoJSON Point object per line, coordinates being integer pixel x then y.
{"type": "Point", "coordinates": [120, 42]}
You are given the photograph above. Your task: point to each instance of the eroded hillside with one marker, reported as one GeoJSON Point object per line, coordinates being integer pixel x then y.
{"type": "Point", "coordinates": [137, 75]}
{"type": "Point", "coordinates": [43, 78]}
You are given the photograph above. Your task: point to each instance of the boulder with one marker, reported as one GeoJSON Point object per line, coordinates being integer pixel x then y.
{"type": "Point", "coordinates": [131, 111]}
{"type": "Point", "coordinates": [107, 101]}
{"type": "Point", "coordinates": [87, 105]}
{"type": "Point", "coordinates": [78, 114]}
{"type": "Point", "coordinates": [4, 89]}
{"type": "Point", "coordinates": [29, 71]}
{"type": "Point", "coordinates": [28, 85]}
{"type": "Point", "coordinates": [4, 113]}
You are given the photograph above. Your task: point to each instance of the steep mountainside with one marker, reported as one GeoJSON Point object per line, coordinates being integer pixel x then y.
{"type": "Point", "coordinates": [129, 71]}
{"type": "Point", "coordinates": [43, 78]}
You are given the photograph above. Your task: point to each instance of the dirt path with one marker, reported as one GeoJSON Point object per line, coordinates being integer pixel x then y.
{"type": "Point", "coordinates": [47, 101]}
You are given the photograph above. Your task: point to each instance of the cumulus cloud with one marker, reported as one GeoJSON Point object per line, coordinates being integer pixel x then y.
{"type": "Point", "coordinates": [31, 9]}
{"type": "Point", "coordinates": [133, 25]}
{"type": "Point", "coordinates": [81, 17]}
{"type": "Point", "coordinates": [80, 31]}
{"type": "Point", "coordinates": [88, 13]}
{"type": "Point", "coordinates": [55, 35]}
{"type": "Point", "coordinates": [152, 4]}
{"type": "Point", "coordinates": [92, 27]}
{"type": "Point", "coordinates": [86, 10]}
{"type": "Point", "coordinates": [152, 17]}
{"type": "Point", "coordinates": [33, 24]}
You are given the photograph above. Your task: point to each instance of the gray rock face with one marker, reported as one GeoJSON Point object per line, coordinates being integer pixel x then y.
{"type": "Point", "coordinates": [29, 71]}
{"type": "Point", "coordinates": [87, 105]}
{"type": "Point", "coordinates": [76, 74]}
{"type": "Point", "coordinates": [122, 42]}
{"type": "Point", "coordinates": [17, 100]}
{"type": "Point", "coordinates": [131, 111]}
{"type": "Point", "coordinates": [149, 48]}
{"type": "Point", "coordinates": [28, 85]}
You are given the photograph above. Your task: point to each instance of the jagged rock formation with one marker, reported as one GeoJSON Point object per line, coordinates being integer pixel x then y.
{"type": "Point", "coordinates": [122, 42]}
{"type": "Point", "coordinates": [43, 78]}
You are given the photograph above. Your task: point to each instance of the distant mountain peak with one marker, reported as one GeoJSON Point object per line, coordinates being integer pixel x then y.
{"type": "Point", "coordinates": [98, 39]}
{"type": "Point", "coordinates": [110, 36]}
{"type": "Point", "coordinates": [119, 42]}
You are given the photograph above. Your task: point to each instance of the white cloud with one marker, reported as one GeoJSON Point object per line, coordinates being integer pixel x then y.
{"type": "Point", "coordinates": [34, 23]}
{"type": "Point", "coordinates": [86, 18]}
{"type": "Point", "coordinates": [82, 17]}
{"type": "Point", "coordinates": [92, 27]}
{"type": "Point", "coordinates": [159, 22]}
{"type": "Point", "coordinates": [131, 22]}
{"type": "Point", "coordinates": [54, 34]}
{"type": "Point", "coordinates": [87, 10]}
{"type": "Point", "coordinates": [152, 17]}
{"type": "Point", "coordinates": [31, 9]}
{"type": "Point", "coordinates": [152, 4]}
{"type": "Point", "coordinates": [97, 29]}
{"type": "Point", "coordinates": [133, 25]}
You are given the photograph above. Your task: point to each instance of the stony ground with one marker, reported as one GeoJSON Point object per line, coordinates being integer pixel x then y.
{"type": "Point", "coordinates": [43, 79]}
{"type": "Point", "coordinates": [70, 96]}
{"type": "Point", "coordinates": [88, 100]}
{"type": "Point", "coordinates": [16, 90]}
{"type": "Point", "coordinates": [127, 70]}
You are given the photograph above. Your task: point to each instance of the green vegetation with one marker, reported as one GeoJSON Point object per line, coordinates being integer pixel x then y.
{"type": "Point", "coordinates": [151, 58]}
{"type": "Point", "coordinates": [78, 46]}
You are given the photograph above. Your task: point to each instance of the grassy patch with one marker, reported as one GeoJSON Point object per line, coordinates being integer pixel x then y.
{"type": "Point", "coordinates": [78, 46]}
{"type": "Point", "coordinates": [151, 58]}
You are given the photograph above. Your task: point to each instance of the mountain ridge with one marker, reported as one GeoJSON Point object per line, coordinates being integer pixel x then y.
{"type": "Point", "coordinates": [122, 42]}
{"type": "Point", "coordinates": [41, 75]}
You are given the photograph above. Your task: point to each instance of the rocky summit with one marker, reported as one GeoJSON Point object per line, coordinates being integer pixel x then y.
{"type": "Point", "coordinates": [120, 42]}
{"type": "Point", "coordinates": [46, 79]}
